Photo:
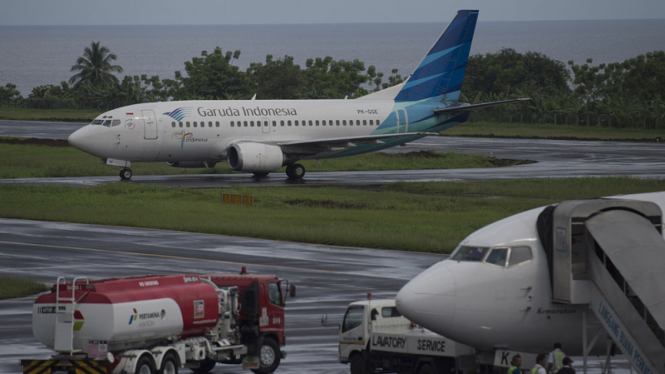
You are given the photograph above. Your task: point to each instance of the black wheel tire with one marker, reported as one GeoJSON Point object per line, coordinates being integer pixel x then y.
{"type": "Point", "coordinates": [145, 366]}
{"type": "Point", "coordinates": [169, 365]}
{"type": "Point", "coordinates": [296, 171]}
{"type": "Point", "coordinates": [206, 367]}
{"type": "Point", "coordinates": [426, 369]}
{"type": "Point", "coordinates": [359, 365]}
{"type": "Point", "coordinates": [125, 174]}
{"type": "Point", "coordinates": [260, 175]}
{"type": "Point", "coordinates": [269, 357]}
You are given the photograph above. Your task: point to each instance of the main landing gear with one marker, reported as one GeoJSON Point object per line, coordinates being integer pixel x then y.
{"type": "Point", "coordinates": [125, 173]}
{"type": "Point", "coordinates": [295, 171]}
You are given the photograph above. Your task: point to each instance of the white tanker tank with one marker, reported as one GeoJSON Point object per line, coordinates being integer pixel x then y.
{"type": "Point", "coordinates": [126, 313]}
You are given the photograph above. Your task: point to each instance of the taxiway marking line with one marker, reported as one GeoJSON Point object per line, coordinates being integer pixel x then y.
{"type": "Point", "coordinates": [168, 256]}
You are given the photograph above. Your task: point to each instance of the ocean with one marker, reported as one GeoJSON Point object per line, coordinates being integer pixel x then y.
{"type": "Point", "coordinates": [31, 56]}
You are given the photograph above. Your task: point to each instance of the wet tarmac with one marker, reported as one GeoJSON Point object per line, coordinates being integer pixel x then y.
{"type": "Point", "coordinates": [555, 159]}
{"type": "Point", "coordinates": [327, 278]}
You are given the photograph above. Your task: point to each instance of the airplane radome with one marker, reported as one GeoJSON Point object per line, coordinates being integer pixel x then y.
{"type": "Point", "coordinates": [261, 136]}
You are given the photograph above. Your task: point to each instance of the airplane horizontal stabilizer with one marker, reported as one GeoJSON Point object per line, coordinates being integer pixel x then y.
{"type": "Point", "coordinates": [467, 108]}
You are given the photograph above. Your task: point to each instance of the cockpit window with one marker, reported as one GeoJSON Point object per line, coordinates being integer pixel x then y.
{"type": "Point", "coordinates": [115, 122]}
{"type": "Point", "coordinates": [107, 123]}
{"type": "Point", "coordinates": [519, 255]}
{"type": "Point", "coordinates": [97, 122]}
{"type": "Point", "coordinates": [470, 253]}
{"type": "Point", "coordinates": [497, 256]}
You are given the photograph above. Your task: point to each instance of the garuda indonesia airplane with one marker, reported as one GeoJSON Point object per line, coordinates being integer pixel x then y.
{"type": "Point", "coordinates": [262, 136]}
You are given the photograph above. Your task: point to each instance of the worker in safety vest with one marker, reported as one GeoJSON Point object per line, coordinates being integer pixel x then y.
{"type": "Point", "coordinates": [555, 359]}
{"type": "Point", "coordinates": [515, 364]}
{"type": "Point", "coordinates": [541, 361]}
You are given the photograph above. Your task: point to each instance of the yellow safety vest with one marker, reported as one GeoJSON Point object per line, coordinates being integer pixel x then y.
{"type": "Point", "coordinates": [558, 361]}
{"type": "Point", "coordinates": [512, 369]}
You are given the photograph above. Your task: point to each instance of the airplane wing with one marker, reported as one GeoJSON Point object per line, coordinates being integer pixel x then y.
{"type": "Point", "coordinates": [466, 108]}
{"type": "Point", "coordinates": [339, 144]}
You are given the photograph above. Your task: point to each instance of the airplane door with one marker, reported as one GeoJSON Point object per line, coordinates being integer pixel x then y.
{"type": "Point", "coordinates": [402, 120]}
{"type": "Point", "coordinates": [265, 124]}
{"type": "Point", "coordinates": [150, 132]}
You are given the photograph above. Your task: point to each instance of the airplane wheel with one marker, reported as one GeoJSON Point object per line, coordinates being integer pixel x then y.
{"type": "Point", "coordinates": [125, 174]}
{"type": "Point", "coordinates": [260, 175]}
{"type": "Point", "coordinates": [295, 171]}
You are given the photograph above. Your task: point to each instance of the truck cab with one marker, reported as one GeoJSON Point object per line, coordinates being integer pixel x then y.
{"type": "Point", "coordinates": [261, 316]}
{"type": "Point", "coordinates": [375, 338]}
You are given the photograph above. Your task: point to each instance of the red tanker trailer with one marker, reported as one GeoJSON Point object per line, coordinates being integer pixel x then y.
{"type": "Point", "coordinates": [158, 324]}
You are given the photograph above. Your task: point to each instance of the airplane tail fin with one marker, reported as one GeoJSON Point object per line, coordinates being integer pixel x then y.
{"type": "Point", "coordinates": [441, 72]}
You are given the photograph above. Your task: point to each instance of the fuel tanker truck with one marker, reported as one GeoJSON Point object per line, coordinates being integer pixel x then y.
{"type": "Point", "coordinates": [158, 324]}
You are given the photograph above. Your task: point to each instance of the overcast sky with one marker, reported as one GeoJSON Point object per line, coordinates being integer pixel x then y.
{"type": "Point", "coordinates": [188, 12]}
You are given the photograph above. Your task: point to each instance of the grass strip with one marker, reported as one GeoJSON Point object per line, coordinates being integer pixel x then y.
{"type": "Point", "coordinates": [59, 115]}
{"type": "Point", "coordinates": [11, 288]}
{"type": "Point", "coordinates": [424, 217]}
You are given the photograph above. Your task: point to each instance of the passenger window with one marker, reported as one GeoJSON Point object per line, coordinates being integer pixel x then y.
{"type": "Point", "coordinates": [498, 256]}
{"type": "Point", "coordinates": [343, 122]}
{"type": "Point", "coordinates": [194, 123]}
{"type": "Point", "coordinates": [274, 123]}
{"type": "Point", "coordinates": [389, 312]}
{"type": "Point", "coordinates": [288, 123]}
{"type": "Point", "coordinates": [296, 122]}
{"type": "Point", "coordinates": [520, 255]}
{"type": "Point", "coordinates": [317, 122]}
{"type": "Point", "coordinates": [244, 123]}
{"type": "Point", "coordinates": [357, 122]}
{"type": "Point", "coordinates": [217, 124]}
{"type": "Point", "coordinates": [364, 122]}
{"type": "Point", "coordinates": [353, 317]}
{"type": "Point", "coordinates": [469, 253]}
{"type": "Point", "coordinates": [179, 124]}
{"type": "Point", "coordinates": [281, 123]}
{"type": "Point", "coordinates": [275, 294]}
{"type": "Point", "coordinates": [323, 123]}
{"type": "Point", "coordinates": [172, 124]}
{"type": "Point", "coordinates": [231, 123]}
{"type": "Point", "coordinates": [251, 123]}
{"type": "Point", "coordinates": [187, 124]}
{"type": "Point", "coordinates": [337, 122]}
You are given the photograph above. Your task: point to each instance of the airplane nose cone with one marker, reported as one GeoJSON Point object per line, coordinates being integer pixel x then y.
{"type": "Point", "coordinates": [429, 299]}
{"type": "Point", "coordinates": [89, 139]}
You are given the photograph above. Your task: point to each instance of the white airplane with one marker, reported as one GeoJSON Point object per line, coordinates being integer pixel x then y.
{"type": "Point", "coordinates": [261, 136]}
{"type": "Point", "coordinates": [532, 279]}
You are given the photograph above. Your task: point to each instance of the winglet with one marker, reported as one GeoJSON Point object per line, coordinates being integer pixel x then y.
{"type": "Point", "coordinates": [441, 72]}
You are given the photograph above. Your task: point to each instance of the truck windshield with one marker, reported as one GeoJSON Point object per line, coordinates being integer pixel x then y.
{"type": "Point", "coordinates": [275, 294]}
{"type": "Point", "coordinates": [353, 317]}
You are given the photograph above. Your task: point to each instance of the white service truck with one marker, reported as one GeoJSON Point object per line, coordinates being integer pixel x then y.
{"type": "Point", "coordinates": [375, 338]}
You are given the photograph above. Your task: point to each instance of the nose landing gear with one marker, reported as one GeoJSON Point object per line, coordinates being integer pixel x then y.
{"type": "Point", "coordinates": [125, 174]}
{"type": "Point", "coordinates": [295, 171]}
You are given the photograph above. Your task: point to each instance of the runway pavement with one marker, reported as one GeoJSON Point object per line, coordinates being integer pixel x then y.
{"type": "Point", "coordinates": [555, 159]}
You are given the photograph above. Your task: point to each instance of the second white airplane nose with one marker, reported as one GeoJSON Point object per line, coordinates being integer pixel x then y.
{"type": "Point", "coordinates": [429, 299]}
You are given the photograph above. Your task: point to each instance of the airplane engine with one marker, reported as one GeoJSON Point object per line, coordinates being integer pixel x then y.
{"type": "Point", "coordinates": [255, 157]}
{"type": "Point", "coordinates": [191, 164]}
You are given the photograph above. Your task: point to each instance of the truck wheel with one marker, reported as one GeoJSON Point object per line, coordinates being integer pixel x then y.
{"type": "Point", "coordinates": [426, 369]}
{"type": "Point", "coordinates": [359, 365]}
{"type": "Point", "coordinates": [169, 365]}
{"type": "Point", "coordinates": [269, 357]}
{"type": "Point", "coordinates": [205, 367]}
{"type": "Point", "coordinates": [145, 366]}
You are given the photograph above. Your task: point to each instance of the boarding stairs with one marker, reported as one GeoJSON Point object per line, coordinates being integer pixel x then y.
{"type": "Point", "coordinates": [610, 254]}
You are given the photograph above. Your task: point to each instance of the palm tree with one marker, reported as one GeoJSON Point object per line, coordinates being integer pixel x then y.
{"type": "Point", "coordinates": [95, 67]}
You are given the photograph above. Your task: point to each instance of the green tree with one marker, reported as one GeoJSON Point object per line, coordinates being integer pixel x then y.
{"type": "Point", "coordinates": [95, 67]}
{"type": "Point", "coordinates": [9, 94]}
{"type": "Point", "coordinates": [277, 79]}
{"type": "Point", "coordinates": [212, 77]}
